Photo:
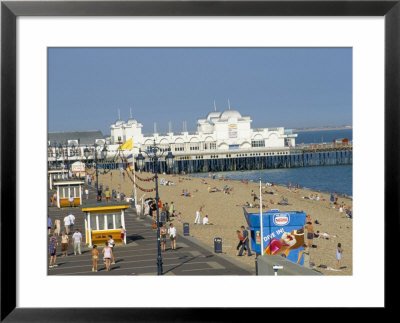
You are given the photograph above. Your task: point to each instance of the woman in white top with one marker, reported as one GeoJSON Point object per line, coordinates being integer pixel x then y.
{"type": "Point", "coordinates": [107, 255]}
{"type": "Point", "coordinates": [172, 236]}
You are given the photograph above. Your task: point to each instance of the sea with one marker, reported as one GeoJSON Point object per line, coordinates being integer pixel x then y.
{"type": "Point", "coordinates": [328, 179]}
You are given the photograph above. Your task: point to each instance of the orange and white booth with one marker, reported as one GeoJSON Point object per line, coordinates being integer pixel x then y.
{"type": "Point", "coordinates": [67, 188]}
{"type": "Point", "coordinates": [104, 219]}
{"type": "Point", "coordinates": [56, 175]}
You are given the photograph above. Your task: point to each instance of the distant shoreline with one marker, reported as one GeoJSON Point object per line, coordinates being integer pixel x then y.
{"type": "Point", "coordinates": [322, 129]}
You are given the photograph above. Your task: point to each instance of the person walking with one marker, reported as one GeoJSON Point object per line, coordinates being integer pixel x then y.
{"type": "Point", "coordinates": [198, 215]}
{"type": "Point", "coordinates": [111, 244]}
{"type": "Point", "coordinates": [64, 244]}
{"type": "Point", "coordinates": [171, 209]}
{"type": "Point", "coordinates": [95, 258]}
{"type": "Point", "coordinates": [339, 252]}
{"type": "Point", "coordinates": [77, 240]}
{"type": "Point", "coordinates": [72, 221]}
{"type": "Point", "coordinates": [123, 233]}
{"type": "Point", "coordinates": [53, 251]}
{"type": "Point", "coordinates": [138, 209]}
{"type": "Point", "coordinates": [49, 225]}
{"type": "Point", "coordinates": [240, 237]}
{"type": "Point", "coordinates": [172, 236]}
{"type": "Point", "coordinates": [107, 194]}
{"type": "Point", "coordinates": [55, 198]}
{"type": "Point", "coordinates": [107, 255]}
{"type": "Point", "coordinates": [67, 223]}
{"type": "Point", "coordinates": [310, 234]}
{"type": "Point", "coordinates": [163, 237]}
{"type": "Point", "coordinates": [57, 226]}
{"type": "Point", "coordinates": [245, 242]}
{"type": "Point", "coordinates": [87, 193]}
{"type": "Point", "coordinates": [71, 201]}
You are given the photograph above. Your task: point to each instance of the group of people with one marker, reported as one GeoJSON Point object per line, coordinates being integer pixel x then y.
{"type": "Point", "coordinates": [76, 240]}
{"type": "Point", "coordinates": [323, 235]}
{"type": "Point", "coordinates": [171, 232]}
{"type": "Point", "coordinates": [108, 255]}
{"type": "Point", "coordinates": [197, 219]}
{"type": "Point", "coordinates": [243, 245]}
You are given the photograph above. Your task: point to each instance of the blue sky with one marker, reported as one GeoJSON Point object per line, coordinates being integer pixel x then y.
{"type": "Point", "coordinates": [290, 87]}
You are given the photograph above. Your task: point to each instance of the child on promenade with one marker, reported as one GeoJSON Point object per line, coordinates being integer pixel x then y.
{"type": "Point", "coordinates": [95, 258]}
{"type": "Point", "coordinates": [339, 252]}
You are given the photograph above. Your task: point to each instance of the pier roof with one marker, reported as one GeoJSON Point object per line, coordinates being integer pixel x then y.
{"type": "Point", "coordinates": [83, 137]}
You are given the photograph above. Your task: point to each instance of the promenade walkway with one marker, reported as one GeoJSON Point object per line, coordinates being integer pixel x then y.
{"type": "Point", "coordinates": [139, 255]}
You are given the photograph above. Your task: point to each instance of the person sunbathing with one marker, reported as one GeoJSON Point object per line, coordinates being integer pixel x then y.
{"type": "Point", "coordinates": [213, 189]}
{"type": "Point", "coordinates": [185, 193]}
{"type": "Point", "coordinates": [324, 235]}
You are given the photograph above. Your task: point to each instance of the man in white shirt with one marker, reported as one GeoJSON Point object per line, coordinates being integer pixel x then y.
{"type": "Point", "coordinates": [67, 223]}
{"type": "Point", "coordinates": [77, 240]}
{"type": "Point", "coordinates": [198, 212]}
{"type": "Point", "coordinates": [205, 220]}
{"type": "Point", "coordinates": [71, 221]}
{"type": "Point", "coordinates": [71, 201]}
{"type": "Point", "coordinates": [138, 209]}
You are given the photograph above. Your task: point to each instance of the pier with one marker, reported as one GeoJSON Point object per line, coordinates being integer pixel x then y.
{"type": "Point", "coordinates": [240, 160]}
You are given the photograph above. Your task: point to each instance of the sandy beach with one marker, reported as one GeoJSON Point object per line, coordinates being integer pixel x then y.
{"type": "Point", "coordinates": [226, 213]}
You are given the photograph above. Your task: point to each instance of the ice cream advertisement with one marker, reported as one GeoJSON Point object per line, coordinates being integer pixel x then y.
{"type": "Point", "coordinates": [283, 233]}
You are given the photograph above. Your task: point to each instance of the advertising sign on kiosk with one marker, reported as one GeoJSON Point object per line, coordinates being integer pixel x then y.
{"type": "Point", "coordinates": [283, 233]}
{"type": "Point", "coordinates": [103, 220]}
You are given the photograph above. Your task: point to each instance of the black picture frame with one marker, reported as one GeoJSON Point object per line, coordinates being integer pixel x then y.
{"type": "Point", "coordinates": [10, 10]}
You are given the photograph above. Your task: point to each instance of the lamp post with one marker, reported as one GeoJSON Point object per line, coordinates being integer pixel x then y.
{"type": "Point", "coordinates": [103, 155]}
{"type": "Point", "coordinates": [155, 153]}
{"type": "Point", "coordinates": [55, 154]}
{"type": "Point", "coordinates": [61, 149]}
{"type": "Point", "coordinates": [58, 152]}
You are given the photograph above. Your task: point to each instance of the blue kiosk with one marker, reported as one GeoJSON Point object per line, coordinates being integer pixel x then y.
{"type": "Point", "coordinates": [283, 233]}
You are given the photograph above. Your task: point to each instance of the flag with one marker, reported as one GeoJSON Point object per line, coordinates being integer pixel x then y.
{"type": "Point", "coordinates": [130, 162]}
{"type": "Point", "coordinates": [127, 145]}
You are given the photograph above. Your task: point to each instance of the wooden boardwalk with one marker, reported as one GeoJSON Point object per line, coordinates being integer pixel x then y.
{"type": "Point", "coordinates": [139, 255]}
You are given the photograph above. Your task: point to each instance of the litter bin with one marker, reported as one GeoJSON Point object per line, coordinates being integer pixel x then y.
{"type": "Point", "coordinates": [186, 229]}
{"type": "Point", "coordinates": [217, 245]}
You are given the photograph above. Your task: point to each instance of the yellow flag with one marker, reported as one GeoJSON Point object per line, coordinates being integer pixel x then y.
{"type": "Point", "coordinates": [127, 145]}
